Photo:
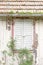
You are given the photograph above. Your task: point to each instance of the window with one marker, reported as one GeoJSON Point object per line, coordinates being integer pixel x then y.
{"type": "Point", "coordinates": [23, 32]}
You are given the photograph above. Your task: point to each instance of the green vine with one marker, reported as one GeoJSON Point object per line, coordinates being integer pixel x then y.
{"type": "Point", "coordinates": [26, 57]}
{"type": "Point", "coordinates": [11, 45]}
{"type": "Point", "coordinates": [12, 12]}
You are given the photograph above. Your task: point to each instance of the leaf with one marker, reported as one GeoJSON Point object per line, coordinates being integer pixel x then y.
{"type": "Point", "coordinates": [29, 57]}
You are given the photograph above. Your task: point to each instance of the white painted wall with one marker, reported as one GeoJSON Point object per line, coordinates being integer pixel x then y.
{"type": "Point", "coordinates": [39, 31]}
{"type": "Point", "coordinates": [4, 37]}
{"type": "Point", "coordinates": [23, 34]}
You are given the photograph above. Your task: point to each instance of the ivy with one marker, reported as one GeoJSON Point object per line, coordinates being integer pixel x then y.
{"type": "Point", "coordinates": [26, 57]}
{"type": "Point", "coordinates": [11, 45]}
{"type": "Point", "coordinates": [12, 12]}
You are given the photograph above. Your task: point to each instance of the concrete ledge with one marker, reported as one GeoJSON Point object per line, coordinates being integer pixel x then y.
{"type": "Point", "coordinates": [23, 15]}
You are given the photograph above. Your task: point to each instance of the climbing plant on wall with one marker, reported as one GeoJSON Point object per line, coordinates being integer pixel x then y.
{"type": "Point", "coordinates": [25, 57]}
{"type": "Point", "coordinates": [12, 47]}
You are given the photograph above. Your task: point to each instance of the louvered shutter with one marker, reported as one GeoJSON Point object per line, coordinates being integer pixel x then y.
{"type": "Point", "coordinates": [23, 33]}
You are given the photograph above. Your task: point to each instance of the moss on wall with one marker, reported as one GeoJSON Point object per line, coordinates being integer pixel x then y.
{"type": "Point", "coordinates": [12, 12]}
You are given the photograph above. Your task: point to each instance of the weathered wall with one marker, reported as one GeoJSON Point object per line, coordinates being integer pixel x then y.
{"type": "Point", "coordinates": [39, 31]}
{"type": "Point", "coordinates": [23, 34]}
{"type": "Point", "coordinates": [4, 36]}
